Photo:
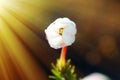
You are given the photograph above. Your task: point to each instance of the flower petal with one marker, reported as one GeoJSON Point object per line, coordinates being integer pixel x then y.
{"type": "Point", "coordinates": [59, 39]}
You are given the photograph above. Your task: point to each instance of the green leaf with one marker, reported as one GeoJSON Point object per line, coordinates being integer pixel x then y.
{"type": "Point", "coordinates": [65, 72]}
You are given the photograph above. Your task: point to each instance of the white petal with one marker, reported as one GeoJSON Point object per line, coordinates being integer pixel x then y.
{"type": "Point", "coordinates": [50, 35]}
{"type": "Point", "coordinates": [68, 39]}
{"type": "Point", "coordinates": [56, 42]}
{"type": "Point", "coordinates": [53, 33]}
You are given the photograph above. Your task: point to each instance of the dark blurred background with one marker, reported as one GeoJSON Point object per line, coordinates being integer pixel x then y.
{"type": "Point", "coordinates": [97, 46]}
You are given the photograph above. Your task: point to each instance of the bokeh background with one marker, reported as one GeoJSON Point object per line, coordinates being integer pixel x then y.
{"type": "Point", "coordinates": [25, 53]}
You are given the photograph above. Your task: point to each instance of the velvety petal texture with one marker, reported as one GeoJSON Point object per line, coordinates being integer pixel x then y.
{"type": "Point", "coordinates": [61, 33]}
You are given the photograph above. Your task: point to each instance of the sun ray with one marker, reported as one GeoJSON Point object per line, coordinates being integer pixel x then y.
{"type": "Point", "coordinates": [27, 32]}
{"type": "Point", "coordinates": [18, 53]}
{"type": "Point", "coordinates": [16, 61]}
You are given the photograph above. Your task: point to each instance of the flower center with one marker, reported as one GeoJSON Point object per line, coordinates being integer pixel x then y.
{"type": "Point", "coordinates": [61, 31]}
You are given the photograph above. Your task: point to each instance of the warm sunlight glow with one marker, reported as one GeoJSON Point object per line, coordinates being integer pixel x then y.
{"type": "Point", "coordinates": [16, 44]}
{"type": "Point", "coordinates": [2, 2]}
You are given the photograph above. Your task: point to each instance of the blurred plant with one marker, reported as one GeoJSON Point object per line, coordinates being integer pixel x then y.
{"type": "Point", "coordinates": [96, 76]}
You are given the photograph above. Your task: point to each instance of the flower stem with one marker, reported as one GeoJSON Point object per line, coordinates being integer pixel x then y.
{"type": "Point", "coordinates": [63, 55]}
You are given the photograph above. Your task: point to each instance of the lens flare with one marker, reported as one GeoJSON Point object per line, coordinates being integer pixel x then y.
{"type": "Point", "coordinates": [1, 5]}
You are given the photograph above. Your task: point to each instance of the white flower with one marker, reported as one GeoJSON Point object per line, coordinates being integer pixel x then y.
{"type": "Point", "coordinates": [96, 76]}
{"type": "Point", "coordinates": [61, 33]}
